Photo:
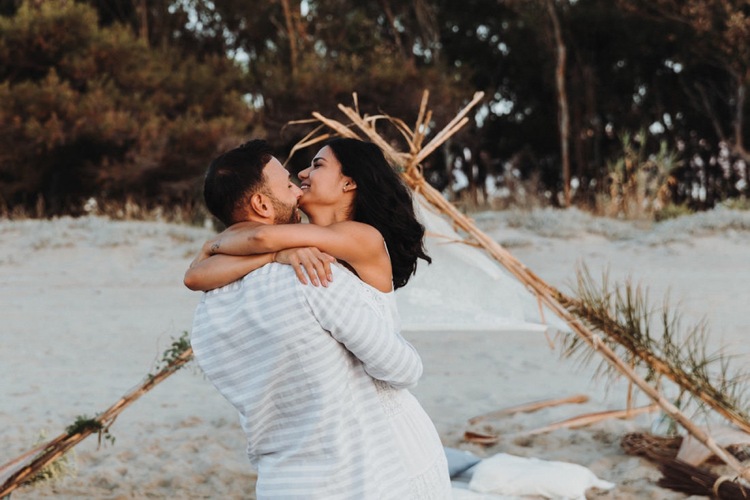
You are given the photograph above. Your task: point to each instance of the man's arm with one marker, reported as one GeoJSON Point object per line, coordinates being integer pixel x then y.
{"type": "Point", "coordinates": [352, 319]}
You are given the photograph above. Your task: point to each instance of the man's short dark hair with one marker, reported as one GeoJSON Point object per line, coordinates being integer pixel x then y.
{"type": "Point", "coordinates": [233, 177]}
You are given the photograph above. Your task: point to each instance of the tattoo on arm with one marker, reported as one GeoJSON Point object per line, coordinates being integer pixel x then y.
{"type": "Point", "coordinates": [214, 248]}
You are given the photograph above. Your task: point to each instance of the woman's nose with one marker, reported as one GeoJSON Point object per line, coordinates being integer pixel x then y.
{"type": "Point", "coordinates": [303, 174]}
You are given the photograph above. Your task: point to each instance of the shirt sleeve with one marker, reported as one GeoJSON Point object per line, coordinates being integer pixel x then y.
{"type": "Point", "coordinates": [344, 310]}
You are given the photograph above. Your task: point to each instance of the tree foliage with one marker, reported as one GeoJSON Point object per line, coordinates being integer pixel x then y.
{"type": "Point", "coordinates": [91, 111]}
{"type": "Point", "coordinates": [130, 98]}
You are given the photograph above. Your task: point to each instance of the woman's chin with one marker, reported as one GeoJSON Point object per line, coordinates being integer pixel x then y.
{"type": "Point", "coordinates": [309, 205]}
{"type": "Point", "coordinates": [306, 200]}
{"type": "Point", "coordinates": [301, 208]}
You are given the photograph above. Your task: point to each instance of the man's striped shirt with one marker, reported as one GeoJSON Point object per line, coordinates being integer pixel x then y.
{"type": "Point", "coordinates": [298, 362]}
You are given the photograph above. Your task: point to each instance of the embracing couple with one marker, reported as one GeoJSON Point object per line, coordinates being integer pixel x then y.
{"type": "Point", "coordinates": [317, 370]}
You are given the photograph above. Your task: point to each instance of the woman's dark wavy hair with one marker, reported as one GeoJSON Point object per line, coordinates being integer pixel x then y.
{"type": "Point", "coordinates": [383, 201]}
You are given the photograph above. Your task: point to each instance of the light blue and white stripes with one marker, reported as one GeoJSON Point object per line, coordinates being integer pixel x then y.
{"type": "Point", "coordinates": [294, 361]}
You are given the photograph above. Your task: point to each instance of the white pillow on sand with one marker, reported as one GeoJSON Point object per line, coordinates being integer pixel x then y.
{"type": "Point", "coordinates": [505, 474]}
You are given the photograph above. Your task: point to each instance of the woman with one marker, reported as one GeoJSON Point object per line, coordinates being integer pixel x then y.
{"type": "Point", "coordinates": [355, 202]}
{"type": "Point", "coordinates": [361, 214]}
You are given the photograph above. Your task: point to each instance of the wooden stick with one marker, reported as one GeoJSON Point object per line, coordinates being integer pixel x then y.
{"type": "Point", "coordinates": [480, 437]}
{"type": "Point", "coordinates": [369, 131]}
{"type": "Point", "coordinates": [338, 127]}
{"type": "Point", "coordinates": [355, 99]}
{"type": "Point", "coordinates": [590, 418]}
{"type": "Point", "coordinates": [530, 407]}
{"type": "Point", "coordinates": [23, 456]}
{"type": "Point", "coordinates": [57, 447]}
{"type": "Point", "coordinates": [405, 131]}
{"type": "Point", "coordinates": [26, 457]}
{"type": "Point", "coordinates": [420, 126]}
{"type": "Point", "coordinates": [630, 386]}
{"type": "Point", "coordinates": [457, 122]}
{"type": "Point", "coordinates": [311, 138]}
{"type": "Point", "coordinates": [433, 145]}
{"type": "Point", "coordinates": [570, 423]}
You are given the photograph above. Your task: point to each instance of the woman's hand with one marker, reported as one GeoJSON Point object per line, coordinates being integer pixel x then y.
{"type": "Point", "coordinates": [308, 261]}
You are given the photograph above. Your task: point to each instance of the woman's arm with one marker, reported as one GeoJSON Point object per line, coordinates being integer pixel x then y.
{"type": "Point", "coordinates": [354, 320]}
{"type": "Point", "coordinates": [209, 272]}
{"type": "Point", "coordinates": [353, 242]}
{"type": "Point", "coordinates": [219, 270]}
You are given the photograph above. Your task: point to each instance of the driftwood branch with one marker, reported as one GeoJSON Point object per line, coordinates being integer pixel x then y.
{"type": "Point", "coordinates": [57, 447]}
{"type": "Point", "coordinates": [529, 407]}
{"type": "Point", "coordinates": [479, 437]}
{"type": "Point", "coordinates": [591, 418]}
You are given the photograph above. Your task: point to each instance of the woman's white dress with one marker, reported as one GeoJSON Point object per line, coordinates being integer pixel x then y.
{"type": "Point", "coordinates": [419, 442]}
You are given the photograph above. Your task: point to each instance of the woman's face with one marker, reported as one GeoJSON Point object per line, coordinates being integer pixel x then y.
{"type": "Point", "coordinates": [323, 183]}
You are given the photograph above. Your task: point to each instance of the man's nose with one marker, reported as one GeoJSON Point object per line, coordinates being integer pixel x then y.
{"type": "Point", "coordinates": [297, 191]}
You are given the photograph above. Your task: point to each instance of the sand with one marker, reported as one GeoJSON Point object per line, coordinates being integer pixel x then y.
{"type": "Point", "coordinates": [89, 305]}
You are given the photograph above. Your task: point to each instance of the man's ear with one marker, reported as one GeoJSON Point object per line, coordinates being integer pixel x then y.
{"type": "Point", "coordinates": [261, 204]}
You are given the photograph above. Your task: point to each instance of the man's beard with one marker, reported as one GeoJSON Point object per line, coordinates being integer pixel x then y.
{"type": "Point", "coordinates": [284, 214]}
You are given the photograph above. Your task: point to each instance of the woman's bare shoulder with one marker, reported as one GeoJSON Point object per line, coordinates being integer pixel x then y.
{"type": "Point", "coordinates": [358, 229]}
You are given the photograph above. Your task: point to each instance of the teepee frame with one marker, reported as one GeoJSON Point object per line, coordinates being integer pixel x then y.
{"type": "Point", "coordinates": [364, 127]}
{"type": "Point", "coordinates": [25, 467]}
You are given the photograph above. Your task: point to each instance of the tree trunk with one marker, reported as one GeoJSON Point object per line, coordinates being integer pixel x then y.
{"type": "Point", "coordinates": [142, 12]}
{"type": "Point", "coordinates": [739, 116]}
{"type": "Point", "coordinates": [562, 101]}
{"type": "Point", "coordinates": [291, 33]}
{"type": "Point", "coordinates": [406, 52]}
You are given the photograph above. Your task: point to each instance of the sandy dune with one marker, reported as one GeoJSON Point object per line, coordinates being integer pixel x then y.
{"type": "Point", "coordinates": [89, 305]}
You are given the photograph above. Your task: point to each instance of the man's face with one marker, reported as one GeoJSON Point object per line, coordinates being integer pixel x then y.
{"type": "Point", "coordinates": [282, 192]}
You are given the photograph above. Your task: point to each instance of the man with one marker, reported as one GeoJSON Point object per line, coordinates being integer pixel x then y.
{"type": "Point", "coordinates": [294, 359]}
